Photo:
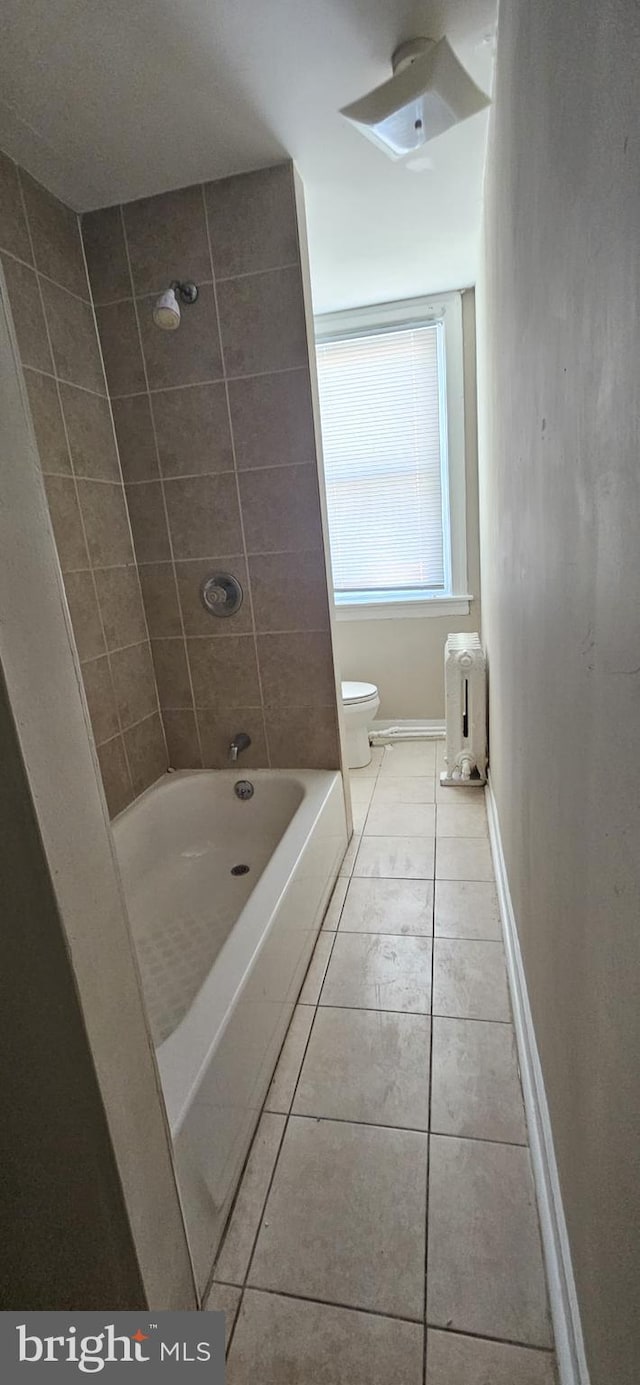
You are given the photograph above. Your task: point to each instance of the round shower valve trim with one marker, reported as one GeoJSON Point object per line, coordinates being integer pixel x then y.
{"type": "Point", "coordinates": [221, 594]}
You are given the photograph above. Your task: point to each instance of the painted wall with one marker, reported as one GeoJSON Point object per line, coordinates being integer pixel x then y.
{"type": "Point", "coordinates": [405, 657]}
{"type": "Point", "coordinates": [559, 388]}
{"type": "Point", "coordinates": [55, 325]}
{"type": "Point", "coordinates": [215, 431]}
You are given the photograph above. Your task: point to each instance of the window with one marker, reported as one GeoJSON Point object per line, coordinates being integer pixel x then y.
{"type": "Point", "coordinates": [391, 405]}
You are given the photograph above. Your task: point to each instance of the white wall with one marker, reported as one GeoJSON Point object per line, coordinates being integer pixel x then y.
{"type": "Point", "coordinates": [559, 338]}
{"type": "Point", "coordinates": [404, 657]}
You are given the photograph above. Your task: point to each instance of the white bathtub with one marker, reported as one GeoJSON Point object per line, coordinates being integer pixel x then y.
{"type": "Point", "coordinates": [223, 957]}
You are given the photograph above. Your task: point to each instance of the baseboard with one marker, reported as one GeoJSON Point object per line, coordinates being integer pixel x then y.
{"type": "Point", "coordinates": [387, 729]}
{"type": "Point", "coordinates": [565, 1313]}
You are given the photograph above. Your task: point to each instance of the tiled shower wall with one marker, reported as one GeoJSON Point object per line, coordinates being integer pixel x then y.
{"type": "Point", "coordinates": [215, 433]}
{"type": "Point", "coordinates": [55, 327]}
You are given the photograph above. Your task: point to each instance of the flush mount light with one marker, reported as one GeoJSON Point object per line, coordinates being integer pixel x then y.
{"type": "Point", "coordinates": [166, 309]}
{"type": "Point", "coordinates": [429, 92]}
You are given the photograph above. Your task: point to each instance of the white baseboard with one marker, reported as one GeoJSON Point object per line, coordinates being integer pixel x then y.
{"type": "Point", "coordinates": [387, 729]}
{"type": "Point", "coordinates": [565, 1313]}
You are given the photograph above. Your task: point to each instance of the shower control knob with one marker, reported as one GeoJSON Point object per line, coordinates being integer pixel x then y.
{"type": "Point", "coordinates": [221, 594]}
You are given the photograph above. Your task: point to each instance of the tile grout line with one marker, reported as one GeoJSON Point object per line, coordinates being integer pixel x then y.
{"type": "Point", "coordinates": [237, 480]}
{"type": "Point", "coordinates": [165, 511]}
{"type": "Point", "coordinates": [73, 478]}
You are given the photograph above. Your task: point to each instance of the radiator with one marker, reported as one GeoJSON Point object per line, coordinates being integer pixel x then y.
{"type": "Point", "coordinates": [465, 680]}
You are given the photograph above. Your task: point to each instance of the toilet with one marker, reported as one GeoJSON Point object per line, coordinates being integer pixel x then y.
{"type": "Point", "coordinates": [360, 702]}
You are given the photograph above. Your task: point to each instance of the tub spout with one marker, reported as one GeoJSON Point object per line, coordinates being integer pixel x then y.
{"type": "Point", "coordinates": [240, 742]}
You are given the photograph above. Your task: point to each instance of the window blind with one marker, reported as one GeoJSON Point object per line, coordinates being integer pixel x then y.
{"type": "Point", "coordinates": [380, 410]}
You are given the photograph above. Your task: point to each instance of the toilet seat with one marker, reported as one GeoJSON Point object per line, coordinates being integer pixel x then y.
{"type": "Point", "coordinates": [354, 693]}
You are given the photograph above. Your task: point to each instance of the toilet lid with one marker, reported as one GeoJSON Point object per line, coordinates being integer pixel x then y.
{"type": "Point", "coordinates": [358, 692]}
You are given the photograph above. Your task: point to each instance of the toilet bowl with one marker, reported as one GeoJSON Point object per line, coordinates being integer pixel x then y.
{"type": "Point", "coordinates": [360, 703]}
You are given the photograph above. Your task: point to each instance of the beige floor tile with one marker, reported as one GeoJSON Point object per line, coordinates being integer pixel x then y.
{"type": "Point", "coordinates": [350, 854]}
{"type": "Point", "coordinates": [446, 793]}
{"type": "Point", "coordinates": [317, 967]}
{"type": "Point", "coordinates": [456, 1360]}
{"type": "Point", "coordinates": [376, 972]}
{"type": "Point", "coordinates": [233, 1260]}
{"type": "Point", "coordinates": [401, 858]}
{"type": "Point", "coordinates": [224, 1298]}
{"type": "Point", "coordinates": [467, 909]}
{"type": "Point", "coordinates": [475, 1084]}
{"type": "Point", "coordinates": [463, 858]}
{"type": "Point", "coordinates": [485, 1272]}
{"type": "Point", "coordinates": [388, 906]}
{"type": "Point", "coordinates": [371, 770]}
{"type": "Point", "coordinates": [360, 813]}
{"type": "Point", "coordinates": [401, 820]}
{"type": "Point", "coordinates": [470, 980]}
{"type": "Point", "coordinates": [345, 1217]}
{"type": "Point", "coordinates": [332, 916]}
{"type": "Point", "coordinates": [462, 820]}
{"type": "Point", "coordinates": [367, 1065]}
{"type": "Point", "coordinates": [286, 1341]}
{"type": "Point", "coordinates": [419, 789]}
{"type": "Point", "coordinates": [408, 759]}
{"type": "Point", "coordinates": [280, 1094]}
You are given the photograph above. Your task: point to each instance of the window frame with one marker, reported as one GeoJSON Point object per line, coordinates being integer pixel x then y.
{"type": "Point", "coordinates": [447, 310]}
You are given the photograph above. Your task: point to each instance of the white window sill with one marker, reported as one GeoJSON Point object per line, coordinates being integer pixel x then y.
{"type": "Point", "coordinates": [403, 610]}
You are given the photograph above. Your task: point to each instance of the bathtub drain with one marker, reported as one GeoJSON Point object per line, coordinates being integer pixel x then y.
{"type": "Point", "coordinates": [240, 870]}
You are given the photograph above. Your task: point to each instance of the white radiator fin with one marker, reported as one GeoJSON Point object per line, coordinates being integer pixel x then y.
{"type": "Point", "coordinates": [465, 679]}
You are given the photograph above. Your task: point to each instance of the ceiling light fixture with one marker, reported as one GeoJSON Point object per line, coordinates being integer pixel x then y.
{"type": "Point", "coordinates": [429, 92]}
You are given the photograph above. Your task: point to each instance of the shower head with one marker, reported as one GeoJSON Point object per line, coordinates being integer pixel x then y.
{"type": "Point", "coordinates": [166, 309]}
{"type": "Point", "coordinates": [428, 92]}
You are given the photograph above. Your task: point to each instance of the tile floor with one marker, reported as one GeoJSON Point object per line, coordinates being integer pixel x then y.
{"type": "Point", "coordinates": [385, 1228]}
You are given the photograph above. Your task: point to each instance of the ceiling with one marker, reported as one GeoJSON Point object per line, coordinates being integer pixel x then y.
{"type": "Point", "coordinates": [105, 101]}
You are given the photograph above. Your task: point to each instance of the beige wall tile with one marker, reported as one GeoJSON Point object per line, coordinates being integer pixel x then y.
{"type": "Point", "coordinates": [115, 775]}
{"type": "Point", "coordinates": [90, 432]}
{"type": "Point", "coordinates": [272, 419]}
{"type": "Point", "coordinates": [167, 239]}
{"type": "Point", "coordinates": [224, 672]}
{"type": "Point", "coordinates": [296, 671]}
{"type": "Point", "coordinates": [73, 338]}
{"type": "Point", "coordinates": [188, 356]}
{"type": "Point", "coordinates": [136, 441]}
{"type": "Point", "coordinates": [262, 322]}
{"type": "Point", "coordinates": [55, 233]}
{"type": "Point", "coordinates": [160, 600]}
{"type": "Point", "coordinates": [98, 687]}
{"type": "Point", "coordinates": [192, 429]}
{"type": "Point", "coordinates": [204, 516]}
{"type": "Point", "coordinates": [48, 423]}
{"type": "Point", "coordinates": [67, 522]}
{"type": "Point", "coordinates": [14, 235]}
{"type": "Point", "coordinates": [120, 341]}
{"type": "Point", "coordinates": [134, 683]}
{"type": "Point", "coordinates": [289, 591]}
{"type": "Point", "coordinates": [106, 522]}
{"type": "Point", "coordinates": [183, 743]}
{"type": "Point", "coordinates": [252, 221]}
{"type": "Point", "coordinates": [121, 606]}
{"type": "Point", "coordinates": [281, 509]}
{"type": "Point", "coordinates": [148, 522]}
{"type": "Point", "coordinates": [197, 619]}
{"type": "Point", "coordinates": [300, 739]}
{"type": "Point", "coordinates": [85, 614]}
{"type": "Point", "coordinates": [106, 255]}
{"type": "Point", "coordinates": [28, 317]}
{"type": "Point", "coordinates": [146, 752]}
{"type": "Point", "coordinates": [172, 673]}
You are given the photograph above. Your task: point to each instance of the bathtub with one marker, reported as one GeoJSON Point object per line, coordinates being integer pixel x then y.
{"type": "Point", "coordinates": [222, 955]}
